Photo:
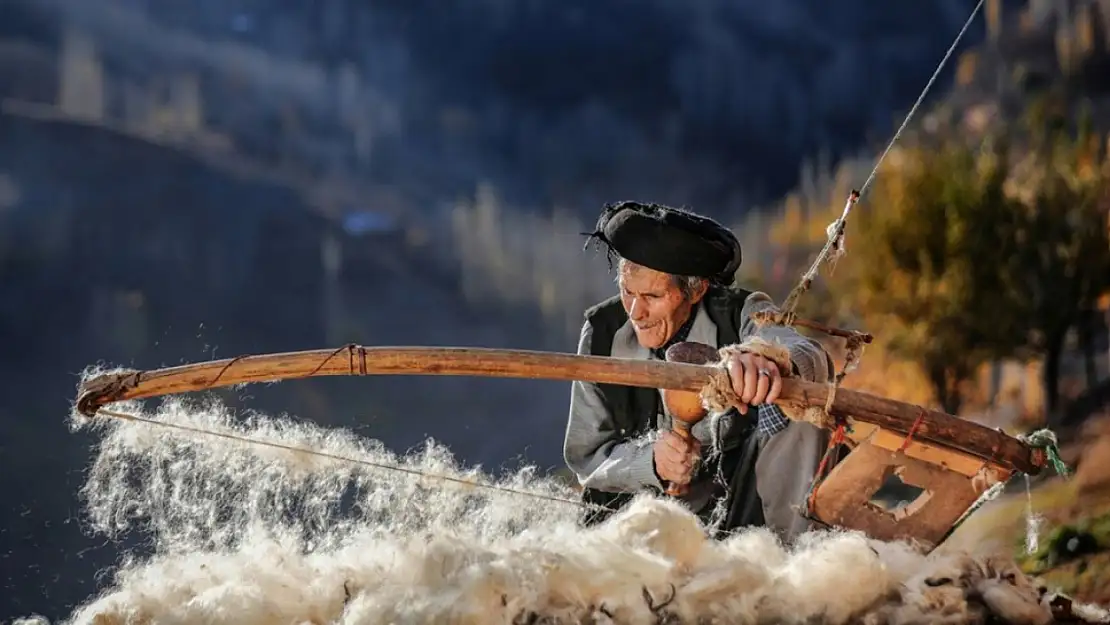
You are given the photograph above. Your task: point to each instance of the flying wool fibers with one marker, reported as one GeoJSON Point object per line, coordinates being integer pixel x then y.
{"type": "Point", "coordinates": [252, 533]}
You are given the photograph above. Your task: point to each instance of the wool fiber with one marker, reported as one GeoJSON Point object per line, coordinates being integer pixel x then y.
{"type": "Point", "coordinates": [254, 533]}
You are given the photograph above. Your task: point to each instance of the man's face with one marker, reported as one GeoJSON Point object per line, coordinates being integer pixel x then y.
{"type": "Point", "coordinates": [654, 303]}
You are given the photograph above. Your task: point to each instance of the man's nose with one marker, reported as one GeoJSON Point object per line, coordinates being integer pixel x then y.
{"type": "Point", "coordinates": [637, 311]}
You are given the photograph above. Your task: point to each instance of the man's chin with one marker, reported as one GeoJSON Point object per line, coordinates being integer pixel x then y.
{"type": "Point", "coordinates": [649, 341]}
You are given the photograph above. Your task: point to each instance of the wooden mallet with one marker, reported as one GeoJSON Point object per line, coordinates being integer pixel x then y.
{"type": "Point", "coordinates": [685, 407]}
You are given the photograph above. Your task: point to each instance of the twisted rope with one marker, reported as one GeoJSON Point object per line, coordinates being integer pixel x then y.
{"type": "Point", "coordinates": [836, 229]}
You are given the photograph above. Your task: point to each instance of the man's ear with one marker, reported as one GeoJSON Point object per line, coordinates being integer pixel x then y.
{"type": "Point", "coordinates": [700, 290]}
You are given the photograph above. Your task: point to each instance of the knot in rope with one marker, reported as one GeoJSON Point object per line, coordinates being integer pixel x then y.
{"type": "Point", "coordinates": [1046, 439]}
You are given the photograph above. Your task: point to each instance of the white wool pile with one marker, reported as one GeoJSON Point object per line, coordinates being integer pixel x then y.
{"type": "Point", "coordinates": [248, 534]}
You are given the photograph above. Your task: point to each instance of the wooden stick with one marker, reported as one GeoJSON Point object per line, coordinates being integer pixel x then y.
{"type": "Point", "coordinates": [934, 426]}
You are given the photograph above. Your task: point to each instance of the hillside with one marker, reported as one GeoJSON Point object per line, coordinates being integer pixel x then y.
{"type": "Point", "coordinates": [571, 103]}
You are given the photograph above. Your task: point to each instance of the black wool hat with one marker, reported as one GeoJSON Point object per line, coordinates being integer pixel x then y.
{"type": "Point", "coordinates": [670, 240]}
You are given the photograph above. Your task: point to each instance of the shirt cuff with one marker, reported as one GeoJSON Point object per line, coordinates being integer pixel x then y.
{"type": "Point", "coordinates": [642, 469]}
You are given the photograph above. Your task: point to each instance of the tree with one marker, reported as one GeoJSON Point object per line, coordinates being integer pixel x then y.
{"type": "Point", "coordinates": [801, 232]}
{"type": "Point", "coordinates": [925, 263]}
{"type": "Point", "coordinates": [1063, 264]}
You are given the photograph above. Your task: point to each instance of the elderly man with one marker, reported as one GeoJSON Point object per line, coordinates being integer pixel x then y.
{"type": "Point", "coordinates": [675, 275]}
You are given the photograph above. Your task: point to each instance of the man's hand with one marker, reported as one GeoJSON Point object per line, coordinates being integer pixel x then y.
{"type": "Point", "coordinates": [755, 379]}
{"type": "Point", "coordinates": [675, 457]}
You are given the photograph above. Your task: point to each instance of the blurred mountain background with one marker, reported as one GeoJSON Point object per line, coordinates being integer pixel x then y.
{"type": "Point", "coordinates": [188, 180]}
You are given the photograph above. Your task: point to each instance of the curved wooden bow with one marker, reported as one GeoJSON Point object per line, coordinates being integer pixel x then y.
{"type": "Point", "coordinates": [927, 425]}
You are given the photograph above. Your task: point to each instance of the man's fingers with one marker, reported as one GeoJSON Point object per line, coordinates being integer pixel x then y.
{"type": "Point", "coordinates": [671, 457]}
{"type": "Point", "coordinates": [683, 471]}
{"type": "Point", "coordinates": [677, 470]}
{"type": "Point", "coordinates": [736, 377]}
{"type": "Point", "coordinates": [667, 469]}
{"type": "Point", "coordinates": [680, 478]}
{"type": "Point", "coordinates": [676, 457]}
{"type": "Point", "coordinates": [750, 381]}
{"type": "Point", "coordinates": [676, 453]}
{"type": "Point", "coordinates": [688, 451]}
{"type": "Point", "coordinates": [751, 387]}
{"type": "Point", "coordinates": [762, 385]}
{"type": "Point", "coordinates": [776, 388]}
{"type": "Point", "coordinates": [670, 445]}
{"type": "Point", "coordinates": [675, 442]}
{"type": "Point", "coordinates": [674, 471]}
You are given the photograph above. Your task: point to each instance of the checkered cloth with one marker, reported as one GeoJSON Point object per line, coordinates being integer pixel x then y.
{"type": "Point", "coordinates": [771, 420]}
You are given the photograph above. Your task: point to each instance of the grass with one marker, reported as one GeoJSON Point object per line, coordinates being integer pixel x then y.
{"type": "Point", "coordinates": [1067, 515]}
{"type": "Point", "coordinates": [1085, 575]}
{"type": "Point", "coordinates": [1085, 579]}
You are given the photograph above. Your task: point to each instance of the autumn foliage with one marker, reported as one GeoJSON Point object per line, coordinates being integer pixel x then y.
{"type": "Point", "coordinates": [972, 249]}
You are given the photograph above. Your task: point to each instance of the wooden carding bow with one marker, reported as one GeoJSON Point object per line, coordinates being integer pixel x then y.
{"type": "Point", "coordinates": [927, 426]}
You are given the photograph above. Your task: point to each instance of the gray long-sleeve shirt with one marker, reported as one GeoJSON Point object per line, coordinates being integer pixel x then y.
{"type": "Point", "coordinates": [605, 458]}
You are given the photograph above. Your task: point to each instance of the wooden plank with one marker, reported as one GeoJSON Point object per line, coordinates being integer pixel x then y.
{"type": "Point", "coordinates": [948, 458]}
{"type": "Point", "coordinates": [843, 499]}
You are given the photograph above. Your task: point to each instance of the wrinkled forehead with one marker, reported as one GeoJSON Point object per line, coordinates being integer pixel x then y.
{"type": "Point", "coordinates": [636, 276]}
